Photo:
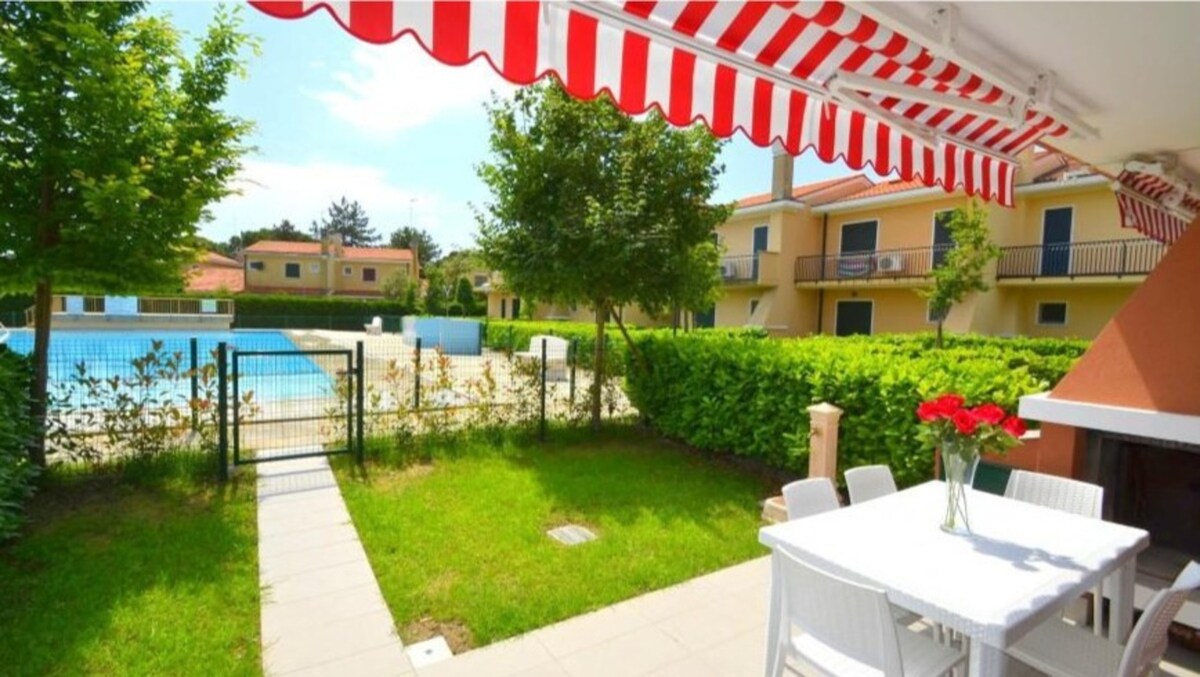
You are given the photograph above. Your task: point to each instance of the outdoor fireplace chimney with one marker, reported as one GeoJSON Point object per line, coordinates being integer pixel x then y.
{"type": "Point", "coordinates": [782, 168]}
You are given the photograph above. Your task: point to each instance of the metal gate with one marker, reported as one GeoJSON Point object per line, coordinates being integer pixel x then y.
{"type": "Point", "coordinates": [276, 405]}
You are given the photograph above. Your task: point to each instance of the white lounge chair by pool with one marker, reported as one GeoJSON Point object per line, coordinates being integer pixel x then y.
{"type": "Point", "coordinates": [375, 328]}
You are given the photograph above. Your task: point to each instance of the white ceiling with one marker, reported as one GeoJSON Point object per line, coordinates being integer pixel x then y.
{"type": "Point", "coordinates": [1129, 69]}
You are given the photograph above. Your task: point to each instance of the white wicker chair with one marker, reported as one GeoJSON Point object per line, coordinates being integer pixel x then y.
{"type": "Point", "coordinates": [869, 481]}
{"type": "Point", "coordinates": [1060, 650]}
{"type": "Point", "coordinates": [842, 628]}
{"type": "Point", "coordinates": [812, 496]}
{"type": "Point", "coordinates": [1067, 495]}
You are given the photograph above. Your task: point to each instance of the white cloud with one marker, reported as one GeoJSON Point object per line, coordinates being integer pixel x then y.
{"type": "Point", "coordinates": [398, 86]}
{"type": "Point", "coordinates": [301, 193]}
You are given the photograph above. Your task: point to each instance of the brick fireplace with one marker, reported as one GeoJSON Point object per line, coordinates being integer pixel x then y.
{"type": "Point", "coordinates": [1127, 417]}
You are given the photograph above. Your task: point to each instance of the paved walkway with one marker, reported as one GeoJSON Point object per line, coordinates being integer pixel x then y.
{"type": "Point", "coordinates": [322, 612]}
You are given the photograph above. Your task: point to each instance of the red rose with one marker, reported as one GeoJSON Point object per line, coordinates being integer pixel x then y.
{"type": "Point", "coordinates": [989, 413]}
{"type": "Point", "coordinates": [928, 411]}
{"type": "Point", "coordinates": [1014, 426]}
{"type": "Point", "coordinates": [949, 404]}
{"type": "Point", "coordinates": [965, 422]}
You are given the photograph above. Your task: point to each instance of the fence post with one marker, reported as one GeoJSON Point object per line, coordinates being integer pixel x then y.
{"type": "Point", "coordinates": [417, 375]}
{"type": "Point", "coordinates": [542, 418]}
{"type": "Point", "coordinates": [222, 415]}
{"type": "Point", "coordinates": [359, 374]}
{"type": "Point", "coordinates": [509, 342]}
{"type": "Point", "coordinates": [574, 361]}
{"type": "Point", "coordinates": [194, 373]}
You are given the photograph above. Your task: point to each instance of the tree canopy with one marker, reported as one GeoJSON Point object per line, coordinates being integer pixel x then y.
{"type": "Point", "coordinates": [349, 220]}
{"type": "Point", "coordinates": [592, 206]}
{"type": "Point", "coordinates": [961, 272]}
{"type": "Point", "coordinates": [112, 145]}
{"type": "Point", "coordinates": [420, 241]}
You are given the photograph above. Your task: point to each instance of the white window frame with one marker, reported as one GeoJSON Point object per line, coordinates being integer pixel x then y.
{"type": "Point", "coordinates": [837, 310]}
{"type": "Point", "coordinates": [314, 268]}
{"type": "Point", "coordinates": [1037, 314]}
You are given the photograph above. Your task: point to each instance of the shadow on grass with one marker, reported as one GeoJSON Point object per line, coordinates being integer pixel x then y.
{"type": "Point", "coordinates": [145, 568]}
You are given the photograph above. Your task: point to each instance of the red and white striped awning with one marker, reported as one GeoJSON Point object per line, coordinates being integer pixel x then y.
{"type": "Point", "coordinates": [816, 75]}
{"type": "Point", "coordinates": [1157, 206]}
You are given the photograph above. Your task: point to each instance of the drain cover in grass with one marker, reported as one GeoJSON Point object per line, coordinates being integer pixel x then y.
{"type": "Point", "coordinates": [571, 534]}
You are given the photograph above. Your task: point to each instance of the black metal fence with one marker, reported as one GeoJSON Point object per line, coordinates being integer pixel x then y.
{"type": "Point", "coordinates": [914, 262]}
{"type": "Point", "coordinates": [1081, 259]}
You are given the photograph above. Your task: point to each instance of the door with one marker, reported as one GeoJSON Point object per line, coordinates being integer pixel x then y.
{"type": "Point", "coordinates": [1056, 241]}
{"type": "Point", "coordinates": [760, 245]}
{"type": "Point", "coordinates": [857, 248]}
{"type": "Point", "coordinates": [853, 317]}
{"type": "Point", "coordinates": [706, 318]}
{"type": "Point", "coordinates": [942, 242]}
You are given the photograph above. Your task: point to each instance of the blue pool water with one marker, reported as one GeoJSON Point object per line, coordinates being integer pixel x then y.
{"type": "Point", "coordinates": [109, 353]}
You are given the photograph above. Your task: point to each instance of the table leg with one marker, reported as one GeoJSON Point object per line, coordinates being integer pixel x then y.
{"type": "Point", "coordinates": [1121, 613]}
{"type": "Point", "coordinates": [985, 660]}
{"type": "Point", "coordinates": [777, 627]}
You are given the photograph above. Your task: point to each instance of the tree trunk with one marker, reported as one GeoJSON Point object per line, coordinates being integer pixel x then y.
{"type": "Point", "coordinates": [598, 363]}
{"type": "Point", "coordinates": [633, 349]}
{"type": "Point", "coordinates": [43, 297]}
{"type": "Point", "coordinates": [938, 343]}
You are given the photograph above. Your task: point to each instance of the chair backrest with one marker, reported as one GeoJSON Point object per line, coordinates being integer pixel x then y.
{"type": "Point", "coordinates": [848, 619]}
{"type": "Point", "coordinates": [1148, 641]}
{"type": "Point", "coordinates": [377, 321]}
{"type": "Point", "coordinates": [869, 481]}
{"type": "Point", "coordinates": [812, 496]}
{"type": "Point", "coordinates": [1059, 493]}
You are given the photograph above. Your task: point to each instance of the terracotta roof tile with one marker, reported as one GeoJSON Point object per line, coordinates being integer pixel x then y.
{"type": "Point", "coordinates": [883, 188]}
{"type": "Point", "coordinates": [204, 278]}
{"type": "Point", "coordinates": [799, 192]}
{"type": "Point", "coordinates": [215, 259]}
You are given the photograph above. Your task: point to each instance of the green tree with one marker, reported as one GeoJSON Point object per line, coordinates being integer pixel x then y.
{"type": "Point", "coordinates": [592, 206]}
{"type": "Point", "coordinates": [961, 273]}
{"type": "Point", "coordinates": [349, 220]}
{"type": "Point", "coordinates": [436, 295]}
{"type": "Point", "coordinates": [398, 285]}
{"type": "Point", "coordinates": [418, 240]}
{"type": "Point", "coordinates": [464, 295]}
{"type": "Point", "coordinates": [112, 145]}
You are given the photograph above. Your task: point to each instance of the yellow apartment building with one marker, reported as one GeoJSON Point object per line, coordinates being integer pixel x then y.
{"type": "Point", "coordinates": [323, 268]}
{"type": "Point", "coordinates": [847, 256]}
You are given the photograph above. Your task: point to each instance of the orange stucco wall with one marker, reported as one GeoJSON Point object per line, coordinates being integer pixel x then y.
{"type": "Point", "coordinates": [1148, 356]}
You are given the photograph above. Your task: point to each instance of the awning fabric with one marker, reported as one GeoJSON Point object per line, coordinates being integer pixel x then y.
{"type": "Point", "coordinates": [1142, 198]}
{"type": "Point", "coordinates": [766, 69]}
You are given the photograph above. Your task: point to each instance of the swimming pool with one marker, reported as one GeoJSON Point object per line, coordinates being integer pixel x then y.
{"type": "Point", "coordinates": [110, 353]}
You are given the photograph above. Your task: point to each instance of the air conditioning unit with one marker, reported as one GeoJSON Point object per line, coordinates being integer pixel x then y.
{"type": "Point", "coordinates": [889, 263]}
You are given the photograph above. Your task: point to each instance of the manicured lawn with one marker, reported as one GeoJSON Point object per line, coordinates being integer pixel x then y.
{"type": "Point", "coordinates": [152, 570]}
{"type": "Point", "coordinates": [459, 546]}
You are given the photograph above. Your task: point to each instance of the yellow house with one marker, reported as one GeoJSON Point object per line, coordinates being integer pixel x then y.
{"type": "Point", "coordinates": [857, 253]}
{"type": "Point", "coordinates": [323, 268]}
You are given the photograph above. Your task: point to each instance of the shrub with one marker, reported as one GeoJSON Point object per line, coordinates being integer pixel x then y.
{"type": "Point", "coordinates": [16, 473]}
{"type": "Point", "coordinates": [733, 393]}
{"type": "Point", "coordinates": [282, 311]}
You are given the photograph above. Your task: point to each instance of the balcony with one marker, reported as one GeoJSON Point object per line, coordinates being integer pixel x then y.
{"type": "Point", "coordinates": [761, 269]}
{"type": "Point", "coordinates": [1105, 258]}
{"type": "Point", "coordinates": [884, 264]}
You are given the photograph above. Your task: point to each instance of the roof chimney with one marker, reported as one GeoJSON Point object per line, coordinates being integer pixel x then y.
{"type": "Point", "coordinates": [331, 244]}
{"type": "Point", "coordinates": [782, 167]}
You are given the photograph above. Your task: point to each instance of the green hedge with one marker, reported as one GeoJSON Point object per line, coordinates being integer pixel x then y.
{"type": "Point", "coordinates": [16, 474]}
{"type": "Point", "coordinates": [750, 396]}
{"type": "Point", "coordinates": [283, 311]}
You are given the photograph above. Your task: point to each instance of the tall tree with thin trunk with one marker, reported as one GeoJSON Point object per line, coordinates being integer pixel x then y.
{"type": "Point", "coordinates": [349, 220]}
{"type": "Point", "coordinates": [112, 144]}
{"type": "Point", "coordinates": [594, 207]}
{"type": "Point", "coordinates": [961, 272]}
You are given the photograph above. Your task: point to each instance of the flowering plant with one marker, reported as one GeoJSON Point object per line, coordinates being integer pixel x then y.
{"type": "Point", "coordinates": [986, 427]}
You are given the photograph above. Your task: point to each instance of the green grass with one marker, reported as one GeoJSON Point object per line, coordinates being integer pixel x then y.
{"type": "Point", "coordinates": [149, 569]}
{"type": "Point", "coordinates": [459, 548]}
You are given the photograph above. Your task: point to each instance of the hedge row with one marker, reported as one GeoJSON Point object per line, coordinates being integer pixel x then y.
{"type": "Point", "coordinates": [283, 311]}
{"type": "Point", "coordinates": [750, 396]}
{"type": "Point", "coordinates": [16, 474]}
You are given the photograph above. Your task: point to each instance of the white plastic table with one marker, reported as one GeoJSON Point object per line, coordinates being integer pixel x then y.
{"type": "Point", "coordinates": [1019, 567]}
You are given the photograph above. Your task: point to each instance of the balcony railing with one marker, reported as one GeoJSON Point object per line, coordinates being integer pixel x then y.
{"type": "Point", "coordinates": [1081, 259]}
{"type": "Point", "coordinates": [883, 264]}
{"type": "Point", "coordinates": [761, 269]}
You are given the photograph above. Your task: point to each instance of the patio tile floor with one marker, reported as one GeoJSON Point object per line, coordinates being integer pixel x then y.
{"type": "Point", "coordinates": [711, 626]}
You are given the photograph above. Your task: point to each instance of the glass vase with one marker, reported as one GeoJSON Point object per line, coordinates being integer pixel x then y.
{"type": "Point", "coordinates": [960, 459]}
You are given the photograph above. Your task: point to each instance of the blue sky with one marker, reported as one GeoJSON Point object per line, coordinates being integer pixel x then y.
{"type": "Point", "coordinates": [385, 125]}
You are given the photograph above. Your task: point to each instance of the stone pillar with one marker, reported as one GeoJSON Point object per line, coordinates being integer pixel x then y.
{"type": "Point", "coordinates": [822, 455]}
{"type": "Point", "coordinates": [823, 440]}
